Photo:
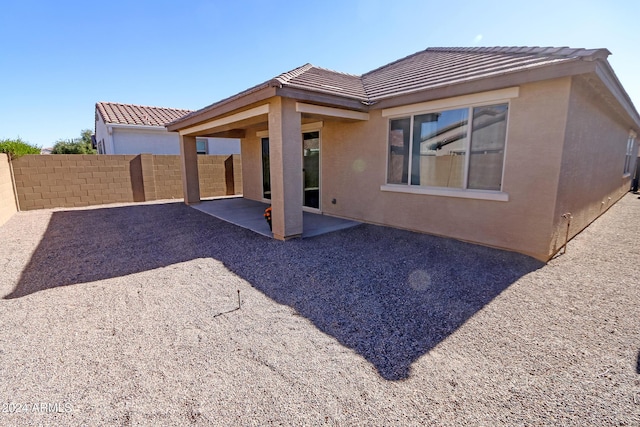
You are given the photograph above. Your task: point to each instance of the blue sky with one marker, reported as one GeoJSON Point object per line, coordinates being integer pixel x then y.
{"type": "Point", "coordinates": [57, 59]}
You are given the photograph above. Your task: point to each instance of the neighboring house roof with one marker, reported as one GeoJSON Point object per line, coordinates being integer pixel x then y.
{"type": "Point", "coordinates": [128, 114]}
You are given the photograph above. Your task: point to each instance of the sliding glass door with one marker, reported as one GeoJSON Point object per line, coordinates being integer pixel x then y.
{"type": "Point", "coordinates": [310, 169]}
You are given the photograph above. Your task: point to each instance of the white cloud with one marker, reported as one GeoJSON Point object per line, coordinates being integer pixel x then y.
{"type": "Point", "coordinates": [477, 39]}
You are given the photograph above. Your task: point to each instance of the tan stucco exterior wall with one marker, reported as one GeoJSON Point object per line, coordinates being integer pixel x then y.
{"type": "Point", "coordinates": [592, 178]}
{"type": "Point", "coordinates": [541, 180]}
{"type": "Point", "coordinates": [354, 163]}
{"type": "Point", "coordinates": [251, 153]}
{"type": "Point", "coordinates": [7, 196]}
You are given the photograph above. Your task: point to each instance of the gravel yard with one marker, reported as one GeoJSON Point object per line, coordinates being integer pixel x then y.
{"type": "Point", "coordinates": [127, 315]}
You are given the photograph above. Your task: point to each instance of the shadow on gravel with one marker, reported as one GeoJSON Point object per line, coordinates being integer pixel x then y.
{"type": "Point", "coordinates": [390, 295]}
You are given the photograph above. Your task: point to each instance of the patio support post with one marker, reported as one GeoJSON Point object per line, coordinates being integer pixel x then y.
{"type": "Point", "coordinates": [189, 166]}
{"type": "Point", "coordinates": [285, 157]}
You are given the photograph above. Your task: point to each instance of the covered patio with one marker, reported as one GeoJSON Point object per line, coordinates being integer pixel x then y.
{"type": "Point", "coordinates": [271, 120]}
{"type": "Point", "coordinates": [248, 214]}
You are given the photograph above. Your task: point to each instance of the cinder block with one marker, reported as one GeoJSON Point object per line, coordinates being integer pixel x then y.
{"type": "Point", "coordinates": [64, 194]}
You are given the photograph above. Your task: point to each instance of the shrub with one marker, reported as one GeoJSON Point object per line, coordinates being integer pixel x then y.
{"type": "Point", "coordinates": [72, 147]}
{"type": "Point", "coordinates": [82, 145]}
{"type": "Point", "coordinates": [17, 147]}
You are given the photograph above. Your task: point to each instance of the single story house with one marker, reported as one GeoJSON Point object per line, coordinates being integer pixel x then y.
{"type": "Point", "coordinates": [517, 148]}
{"type": "Point", "coordinates": [136, 129]}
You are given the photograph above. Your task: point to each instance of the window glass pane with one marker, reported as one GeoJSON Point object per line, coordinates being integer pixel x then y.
{"type": "Point", "coordinates": [311, 168]}
{"type": "Point", "coordinates": [266, 170]}
{"type": "Point", "coordinates": [399, 151]}
{"type": "Point", "coordinates": [439, 147]}
{"type": "Point", "coordinates": [201, 146]}
{"type": "Point", "coordinates": [487, 147]}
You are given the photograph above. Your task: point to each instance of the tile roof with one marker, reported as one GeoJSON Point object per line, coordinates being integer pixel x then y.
{"type": "Point", "coordinates": [323, 80]}
{"type": "Point", "coordinates": [128, 114]}
{"type": "Point", "coordinates": [441, 66]}
{"type": "Point", "coordinates": [424, 70]}
{"type": "Point", "coordinates": [432, 68]}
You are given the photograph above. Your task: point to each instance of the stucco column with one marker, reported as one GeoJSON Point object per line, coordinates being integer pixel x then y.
{"type": "Point", "coordinates": [285, 157]}
{"type": "Point", "coordinates": [189, 166]}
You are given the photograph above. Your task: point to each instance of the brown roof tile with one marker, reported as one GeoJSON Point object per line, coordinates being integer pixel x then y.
{"type": "Point", "coordinates": [428, 69]}
{"type": "Point", "coordinates": [440, 66]}
{"type": "Point", "coordinates": [323, 80]}
{"type": "Point", "coordinates": [128, 114]}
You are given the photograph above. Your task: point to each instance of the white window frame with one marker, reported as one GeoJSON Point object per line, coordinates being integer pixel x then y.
{"type": "Point", "coordinates": [502, 96]}
{"type": "Point", "coordinates": [628, 160]}
{"type": "Point", "coordinates": [206, 146]}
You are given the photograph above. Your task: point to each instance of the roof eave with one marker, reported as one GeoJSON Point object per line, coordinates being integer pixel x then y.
{"type": "Point", "coordinates": [321, 98]}
{"type": "Point", "coordinates": [139, 127]}
{"type": "Point", "coordinates": [235, 102]}
{"type": "Point", "coordinates": [608, 77]}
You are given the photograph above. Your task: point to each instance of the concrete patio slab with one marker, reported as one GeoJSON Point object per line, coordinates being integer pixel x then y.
{"type": "Point", "coordinates": [249, 214]}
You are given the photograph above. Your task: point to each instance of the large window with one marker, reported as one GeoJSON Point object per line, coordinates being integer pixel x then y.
{"type": "Point", "coordinates": [459, 148]}
{"type": "Point", "coordinates": [628, 161]}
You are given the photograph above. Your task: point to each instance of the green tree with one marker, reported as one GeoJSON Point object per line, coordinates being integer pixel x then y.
{"type": "Point", "coordinates": [81, 145]}
{"type": "Point", "coordinates": [17, 147]}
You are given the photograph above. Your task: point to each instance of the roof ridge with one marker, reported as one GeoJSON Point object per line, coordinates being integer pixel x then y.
{"type": "Point", "coordinates": [563, 51]}
{"type": "Point", "coordinates": [289, 75]}
{"type": "Point", "coordinates": [337, 72]}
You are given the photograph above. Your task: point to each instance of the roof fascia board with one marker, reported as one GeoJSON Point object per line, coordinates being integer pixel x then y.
{"type": "Point", "coordinates": [137, 127]}
{"type": "Point", "coordinates": [321, 98]}
{"type": "Point", "coordinates": [301, 107]}
{"type": "Point", "coordinates": [222, 107]}
{"type": "Point", "coordinates": [488, 83]}
{"type": "Point", "coordinates": [608, 77]}
{"type": "Point", "coordinates": [216, 123]}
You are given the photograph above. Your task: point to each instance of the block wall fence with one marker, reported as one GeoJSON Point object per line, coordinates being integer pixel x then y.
{"type": "Point", "coordinates": [73, 180]}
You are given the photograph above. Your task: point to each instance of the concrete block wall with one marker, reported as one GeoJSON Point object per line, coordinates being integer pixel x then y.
{"type": "Point", "coordinates": [219, 175]}
{"type": "Point", "coordinates": [7, 196]}
{"type": "Point", "coordinates": [72, 180]}
{"type": "Point", "coordinates": [168, 177]}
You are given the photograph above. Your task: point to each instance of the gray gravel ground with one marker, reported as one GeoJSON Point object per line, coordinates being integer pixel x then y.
{"type": "Point", "coordinates": [124, 315]}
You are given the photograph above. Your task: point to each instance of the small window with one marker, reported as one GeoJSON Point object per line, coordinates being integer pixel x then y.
{"type": "Point", "coordinates": [461, 148]}
{"type": "Point", "coordinates": [628, 156]}
{"type": "Point", "coordinates": [201, 146]}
